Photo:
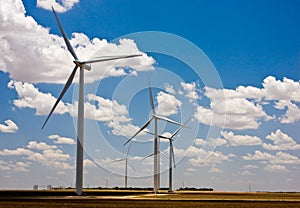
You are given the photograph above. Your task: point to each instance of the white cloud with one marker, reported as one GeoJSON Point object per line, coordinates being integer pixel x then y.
{"type": "Point", "coordinates": [245, 172]}
{"type": "Point", "coordinates": [199, 157]}
{"type": "Point", "coordinates": [89, 163]}
{"type": "Point", "coordinates": [169, 89]}
{"type": "Point", "coordinates": [9, 126]}
{"type": "Point", "coordinates": [240, 140]}
{"type": "Point", "coordinates": [18, 151]}
{"type": "Point", "coordinates": [45, 154]}
{"type": "Point", "coordinates": [61, 140]}
{"type": "Point", "coordinates": [247, 167]}
{"type": "Point", "coordinates": [240, 113]}
{"type": "Point", "coordinates": [292, 113]}
{"type": "Point", "coordinates": [275, 168]}
{"type": "Point", "coordinates": [64, 6]}
{"type": "Point", "coordinates": [36, 49]}
{"type": "Point", "coordinates": [123, 129]}
{"type": "Point", "coordinates": [105, 110]}
{"type": "Point", "coordinates": [278, 158]}
{"type": "Point", "coordinates": [210, 142]}
{"type": "Point", "coordinates": [215, 170]}
{"type": "Point", "coordinates": [281, 90]}
{"type": "Point", "coordinates": [281, 141]}
{"type": "Point", "coordinates": [189, 90]}
{"type": "Point", "coordinates": [115, 115]}
{"type": "Point", "coordinates": [243, 107]}
{"type": "Point", "coordinates": [30, 97]}
{"type": "Point", "coordinates": [272, 89]}
{"type": "Point", "coordinates": [167, 104]}
{"type": "Point", "coordinates": [40, 145]}
{"type": "Point", "coordinates": [15, 166]}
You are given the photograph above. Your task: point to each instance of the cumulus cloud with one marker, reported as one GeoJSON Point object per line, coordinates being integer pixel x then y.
{"type": "Point", "coordinates": [40, 145]}
{"type": "Point", "coordinates": [272, 89]}
{"type": "Point", "coordinates": [38, 56]}
{"type": "Point", "coordinates": [280, 141]}
{"type": "Point", "coordinates": [287, 89]}
{"type": "Point", "coordinates": [243, 106]}
{"type": "Point", "coordinates": [113, 114]}
{"type": "Point", "coordinates": [105, 110]}
{"type": "Point", "coordinates": [245, 172]}
{"type": "Point", "coordinates": [30, 97]}
{"type": "Point", "coordinates": [9, 126]}
{"type": "Point", "coordinates": [189, 90]}
{"type": "Point", "coordinates": [15, 166]}
{"type": "Point", "coordinates": [292, 113]}
{"type": "Point", "coordinates": [89, 163]}
{"type": "Point", "coordinates": [61, 140]}
{"type": "Point", "coordinates": [169, 89]}
{"type": "Point", "coordinates": [19, 151]}
{"type": "Point", "coordinates": [279, 158]}
{"type": "Point", "coordinates": [210, 142]}
{"type": "Point", "coordinates": [237, 113]}
{"type": "Point", "coordinates": [247, 167]}
{"type": "Point", "coordinates": [215, 170]}
{"type": "Point", "coordinates": [275, 168]}
{"type": "Point", "coordinates": [42, 153]}
{"type": "Point", "coordinates": [64, 6]}
{"type": "Point", "coordinates": [241, 140]}
{"type": "Point", "coordinates": [200, 157]}
{"type": "Point", "coordinates": [167, 104]}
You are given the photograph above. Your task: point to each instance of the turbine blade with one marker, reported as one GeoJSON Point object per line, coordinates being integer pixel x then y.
{"type": "Point", "coordinates": [160, 136]}
{"type": "Point", "coordinates": [70, 48]}
{"type": "Point", "coordinates": [119, 160]}
{"type": "Point", "coordinates": [131, 166]}
{"type": "Point", "coordinates": [102, 59]}
{"type": "Point", "coordinates": [151, 96]}
{"type": "Point", "coordinates": [66, 87]}
{"type": "Point", "coordinates": [168, 120]}
{"type": "Point", "coordinates": [141, 129]}
{"type": "Point", "coordinates": [163, 137]}
{"type": "Point", "coordinates": [148, 132]}
{"type": "Point", "coordinates": [176, 132]}
{"type": "Point", "coordinates": [172, 152]}
{"type": "Point", "coordinates": [163, 154]}
{"type": "Point", "coordinates": [148, 156]}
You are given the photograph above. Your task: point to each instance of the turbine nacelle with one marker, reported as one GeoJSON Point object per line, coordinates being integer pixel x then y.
{"type": "Point", "coordinates": [82, 65]}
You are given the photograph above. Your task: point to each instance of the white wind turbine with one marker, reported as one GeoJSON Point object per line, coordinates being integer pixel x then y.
{"type": "Point", "coordinates": [126, 165]}
{"type": "Point", "coordinates": [80, 124]}
{"type": "Point", "coordinates": [171, 154]}
{"type": "Point", "coordinates": [156, 176]}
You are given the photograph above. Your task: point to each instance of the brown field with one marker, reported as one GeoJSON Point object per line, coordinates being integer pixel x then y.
{"type": "Point", "coordinates": [106, 198]}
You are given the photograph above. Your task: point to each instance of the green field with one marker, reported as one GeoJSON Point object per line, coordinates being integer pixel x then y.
{"type": "Point", "coordinates": [146, 199]}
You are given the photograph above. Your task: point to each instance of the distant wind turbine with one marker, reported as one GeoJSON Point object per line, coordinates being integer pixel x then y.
{"type": "Point", "coordinates": [156, 176]}
{"type": "Point", "coordinates": [126, 165]}
{"type": "Point", "coordinates": [171, 154]}
{"type": "Point", "coordinates": [80, 124]}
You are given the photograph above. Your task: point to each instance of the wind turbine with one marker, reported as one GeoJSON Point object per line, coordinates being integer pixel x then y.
{"type": "Point", "coordinates": [80, 124]}
{"type": "Point", "coordinates": [171, 153]}
{"type": "Point", "coordinates": [126, 165]}
{"type": "Point", "coordinates": [156, 176]}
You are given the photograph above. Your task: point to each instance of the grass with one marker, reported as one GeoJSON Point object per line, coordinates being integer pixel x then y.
{"type": "Point", "coordinates": [131, 199]}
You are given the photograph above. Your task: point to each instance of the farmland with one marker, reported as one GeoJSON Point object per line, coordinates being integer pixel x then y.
{"type": "Point", "coordinates": [130, 199]}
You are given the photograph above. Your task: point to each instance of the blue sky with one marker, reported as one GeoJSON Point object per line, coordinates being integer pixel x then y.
{"type": "Point", "coordinates": [232, 66]}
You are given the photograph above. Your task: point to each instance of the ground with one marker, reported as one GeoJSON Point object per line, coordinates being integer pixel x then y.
{"type": "Point", "coordinates": [129, 199]}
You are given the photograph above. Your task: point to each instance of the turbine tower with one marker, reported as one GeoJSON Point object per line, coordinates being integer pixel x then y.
{"type": "Point", "coordinates": [82, 65]}
{"type": "Point", "coordinates": [156, 176]}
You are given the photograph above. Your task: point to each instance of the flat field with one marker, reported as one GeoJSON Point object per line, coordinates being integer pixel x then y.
{"type": "Point", "coordinates": [144, 199]}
